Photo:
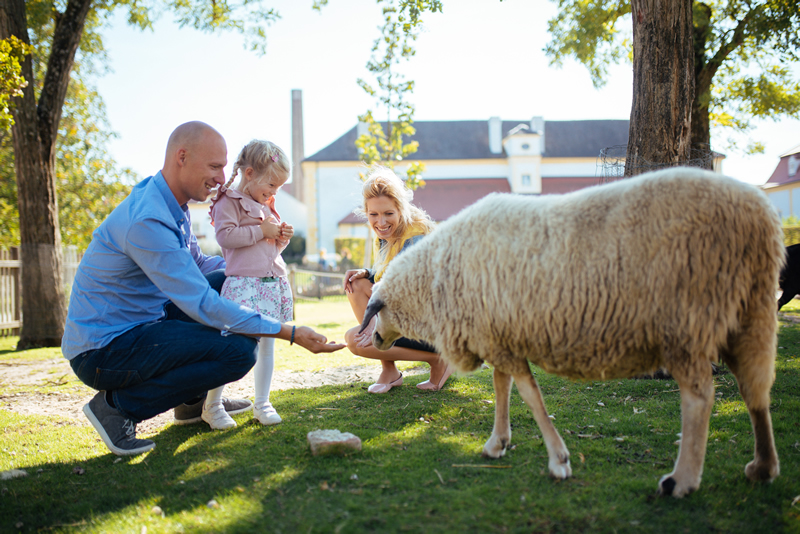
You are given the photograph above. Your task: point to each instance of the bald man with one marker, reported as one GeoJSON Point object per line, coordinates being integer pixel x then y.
{"type": "Point", "coordinates": [146, 326]}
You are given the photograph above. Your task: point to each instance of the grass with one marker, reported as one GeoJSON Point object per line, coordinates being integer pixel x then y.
{"type": "Point", "coordinates": [420, 468]}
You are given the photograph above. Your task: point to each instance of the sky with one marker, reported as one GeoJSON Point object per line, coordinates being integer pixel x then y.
{"type": "Point", "coordinates": [477, 59]}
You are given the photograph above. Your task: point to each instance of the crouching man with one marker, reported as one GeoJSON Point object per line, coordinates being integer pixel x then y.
{"type": "Point", "coordinates": [146, 325]}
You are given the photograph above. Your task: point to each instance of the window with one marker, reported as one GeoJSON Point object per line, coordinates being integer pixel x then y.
{"type": "Point", "coordinates": [525, 146]}
{"type": "Point", "coordinates": [526, 180]}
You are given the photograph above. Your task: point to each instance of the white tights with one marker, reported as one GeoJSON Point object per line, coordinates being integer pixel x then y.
{"type": "Point", "coordinates": [262, 374]}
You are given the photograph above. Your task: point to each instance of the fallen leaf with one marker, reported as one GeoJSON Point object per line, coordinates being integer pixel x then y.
{"type": "Point", "coordinates": [78, 470]}
{"type": "Point", "coordinates": [212, 504]}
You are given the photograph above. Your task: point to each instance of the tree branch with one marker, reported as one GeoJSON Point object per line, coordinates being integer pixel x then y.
{"type": "Point", "coordinates": [66, 39]}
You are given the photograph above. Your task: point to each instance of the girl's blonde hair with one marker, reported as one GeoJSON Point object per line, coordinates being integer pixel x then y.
{"type": "Point", "coordinates": [264, 157]}
{"type": "Point", "coordinates": [383, 182]}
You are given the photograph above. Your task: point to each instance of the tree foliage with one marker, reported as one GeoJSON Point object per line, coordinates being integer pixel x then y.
{"type": "Point", "coordinates": [743, 52]}
{"type": "Point", "coordinates": [11, 80]}
{"type": "Point", "coordinates": [88, 182]}
{"type": "Point", "coordinates": [383, 141]}
{"type": "Point", "coordinates": [67, 35]}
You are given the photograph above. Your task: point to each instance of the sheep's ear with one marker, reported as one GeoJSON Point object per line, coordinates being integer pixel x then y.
{"type": "Point", "coordinates": [375, 305]}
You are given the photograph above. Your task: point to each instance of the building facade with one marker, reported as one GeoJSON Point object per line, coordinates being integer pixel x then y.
{"type": "Point", "coordinates": [464, 161]}
{"type": "Point", "coordinates": [783, 187]}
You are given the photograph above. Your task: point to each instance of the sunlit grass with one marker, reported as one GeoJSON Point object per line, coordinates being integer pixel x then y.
{"type": "Point", "coordinates": [420, 468]}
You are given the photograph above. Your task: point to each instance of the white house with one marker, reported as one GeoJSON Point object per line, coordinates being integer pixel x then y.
{"type": "Point", "coordinates": [464, 161]}
{"type": "Point", "coordinates": [783, 187]}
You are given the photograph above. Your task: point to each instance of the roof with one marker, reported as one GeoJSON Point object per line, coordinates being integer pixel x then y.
{"type": "Point", "coordinates": [789, 161]}
{"type": "Point", "coordinates": [444, 198]}
{"type": "Point", "coordinates": [441, 140]}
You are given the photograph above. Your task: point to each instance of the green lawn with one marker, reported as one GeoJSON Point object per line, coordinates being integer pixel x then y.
{"type": "Point", "coordinates": [420, 469]}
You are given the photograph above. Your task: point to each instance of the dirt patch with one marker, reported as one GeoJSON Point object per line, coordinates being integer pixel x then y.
{"type": "Point", "coordinates": [68, 407]}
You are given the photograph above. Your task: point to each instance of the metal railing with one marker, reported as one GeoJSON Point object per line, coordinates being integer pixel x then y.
{"type": "Point", "coordinates": [316, 285]}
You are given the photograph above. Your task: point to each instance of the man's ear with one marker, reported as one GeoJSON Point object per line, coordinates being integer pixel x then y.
{"type": "Point", "coordinates": [180, 157]}
{"type": "Point", "coordinates": [375, 305]}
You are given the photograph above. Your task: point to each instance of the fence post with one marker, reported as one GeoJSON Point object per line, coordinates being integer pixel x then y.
{"type": "Point", "coordinates": [16, 278]}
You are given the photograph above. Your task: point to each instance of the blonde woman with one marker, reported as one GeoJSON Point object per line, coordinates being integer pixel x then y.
{"type": "Point", "coordinates": [397, 224]}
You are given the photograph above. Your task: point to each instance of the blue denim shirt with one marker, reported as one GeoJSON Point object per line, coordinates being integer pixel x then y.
{"type": "Point", "coordinates": [141, 256]}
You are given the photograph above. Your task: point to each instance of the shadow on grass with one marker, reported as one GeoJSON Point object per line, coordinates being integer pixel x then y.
{"type": "Point", "coordinates": [420, 469]}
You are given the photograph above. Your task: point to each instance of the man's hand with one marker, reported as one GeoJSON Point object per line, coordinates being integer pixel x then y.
{"type": "Point", "coordinates": [312, 341]}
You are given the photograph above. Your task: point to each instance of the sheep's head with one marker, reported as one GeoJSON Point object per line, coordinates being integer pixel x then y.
{"type": "Point", "coordinates": [384, 335]}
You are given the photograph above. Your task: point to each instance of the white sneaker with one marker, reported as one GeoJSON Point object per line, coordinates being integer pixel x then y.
{"type": "Point", "coordinates": [216, 417]}
{"type": "Point", "coordinates": [266, 415]}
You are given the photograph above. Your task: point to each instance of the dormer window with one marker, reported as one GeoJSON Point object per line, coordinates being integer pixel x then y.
{"type": "Point", "coordinates": [526, 180]}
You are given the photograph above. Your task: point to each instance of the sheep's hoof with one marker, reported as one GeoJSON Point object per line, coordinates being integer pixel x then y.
{"type": "Point", "coordinates": [495, 447]}
{"type": "Point", "coordinates": [560, 470]}
{"type": "Point", "coordinates": [669, 486]}
{"type": "Point", "coordinates": [762, 471]}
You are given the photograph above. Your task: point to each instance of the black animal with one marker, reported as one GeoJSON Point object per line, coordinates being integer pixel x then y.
{"type": "Point", "coordinates": [789, 280]}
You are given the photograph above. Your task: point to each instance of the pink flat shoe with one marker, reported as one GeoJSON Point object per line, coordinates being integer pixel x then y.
{"type": "Point", "coordinates": [384, 388]}
{"type": "Point", "coordinates": [430, 386]}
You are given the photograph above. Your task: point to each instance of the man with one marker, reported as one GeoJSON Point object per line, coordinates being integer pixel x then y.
{"type": "Point", "coordinates": [144, 325]}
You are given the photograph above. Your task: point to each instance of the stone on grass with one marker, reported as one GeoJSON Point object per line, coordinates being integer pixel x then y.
{"type": "Point", "coordinates": [13, 473]}
{"type": "Point", "coordinates": [324, 442]}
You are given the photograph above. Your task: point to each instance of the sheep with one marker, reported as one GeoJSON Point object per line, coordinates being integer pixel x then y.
{"type": "Point", "coordinates": [674, 269]}
{"type": "Point", "coordinates": [789, 279]}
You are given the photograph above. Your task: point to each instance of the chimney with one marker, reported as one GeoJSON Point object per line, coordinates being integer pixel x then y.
{"type": "Point", "coordinates": [495, 135]}
{"type": "Point", "coordinates": [537, 126]}
{"type": "Point", "coordinates": [298, 152]}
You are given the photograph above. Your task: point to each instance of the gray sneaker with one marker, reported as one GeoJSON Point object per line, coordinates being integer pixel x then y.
{"type": "Point", "coordinates": [118, 432]}
{"type": "Point", "coordinates": [186, 414]}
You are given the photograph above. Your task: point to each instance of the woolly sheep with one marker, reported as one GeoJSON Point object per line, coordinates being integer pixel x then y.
{"type": "Point", "coordinates": [674, 269]}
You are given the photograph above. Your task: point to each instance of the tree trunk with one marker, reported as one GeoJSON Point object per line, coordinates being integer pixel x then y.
{"type": "Point", "coordinates": [701, 128]}
{"type": "Point", "coordinates": [663, 85]}
{"type": "Point", "coordinates": [34, 132]}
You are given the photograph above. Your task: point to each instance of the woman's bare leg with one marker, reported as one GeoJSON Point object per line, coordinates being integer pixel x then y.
{"type": "Point", "coordinates": [362, 291]}
{"type": "Point", "coordinates": [395, 354]}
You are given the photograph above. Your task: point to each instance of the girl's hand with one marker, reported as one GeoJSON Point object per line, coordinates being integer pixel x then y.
{"type": "Point", "coordinates": [271, 230]}
{"type": "Point", "coordinates": [353, 274]}
{"type": "Point", "coordinates": [287, 231]}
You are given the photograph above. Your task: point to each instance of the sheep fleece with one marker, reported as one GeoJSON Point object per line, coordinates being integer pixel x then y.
{"type": "Point", "coordinates": [671, 269]}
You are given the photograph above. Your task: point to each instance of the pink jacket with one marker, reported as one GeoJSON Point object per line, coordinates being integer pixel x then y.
{"type": "Point", "coordinates": [236, 219]}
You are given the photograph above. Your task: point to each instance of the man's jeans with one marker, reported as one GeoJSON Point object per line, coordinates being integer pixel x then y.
{"type": "Point", "coordinates": [157, 366]}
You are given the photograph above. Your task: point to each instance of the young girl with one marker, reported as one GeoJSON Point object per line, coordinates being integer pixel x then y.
{"type": "Point", "coordinates": [252, 237]}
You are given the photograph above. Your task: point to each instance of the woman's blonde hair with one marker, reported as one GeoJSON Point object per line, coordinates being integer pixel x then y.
{"type": "Point", "coordinates": [265, 158]}
{"type": "Point", "coordinates": [383, 182]}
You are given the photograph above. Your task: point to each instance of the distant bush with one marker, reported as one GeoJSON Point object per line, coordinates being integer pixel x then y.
{"type": "Point", "coordinates": [351, 250]}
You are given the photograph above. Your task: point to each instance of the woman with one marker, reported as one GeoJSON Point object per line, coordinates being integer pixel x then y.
{"type": "Point", "coordinates": [397, 225]}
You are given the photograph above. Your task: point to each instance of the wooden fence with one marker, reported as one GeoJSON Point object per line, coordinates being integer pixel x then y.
{"type": "Point", "coordinates": [11, 285]}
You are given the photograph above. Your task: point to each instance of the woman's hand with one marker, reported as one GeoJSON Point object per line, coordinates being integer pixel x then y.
{"type": "Point", "coordinates": [312, 341]}
{"type": "Point", "coordinates": [353, 274]}
{"type": "Point", "coordinates": [270, 229]}
{"type": "Point", "coordinates": [364, 339]}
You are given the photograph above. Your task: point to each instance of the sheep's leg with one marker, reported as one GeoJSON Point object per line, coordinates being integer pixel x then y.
{"type": "Point", "coordinates": [556, 449]}
{"type": "Point", "coordinates": [752, 362]}
{"type": "Point", "coordinates": [697, 399]}
{"type": "Point", "coordinates": [501, 433]}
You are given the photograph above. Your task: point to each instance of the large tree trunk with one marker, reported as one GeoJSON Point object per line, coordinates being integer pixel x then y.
{"type": "Point", "coordinates": [701, 128]}
{"type": "Point", "coordinates": [34, 132]}
{"type": "Point", "coordinates": [663, 85]}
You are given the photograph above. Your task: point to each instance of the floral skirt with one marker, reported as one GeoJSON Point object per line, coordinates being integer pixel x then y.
{"type": "Point", "coordinates": [270, 298]}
